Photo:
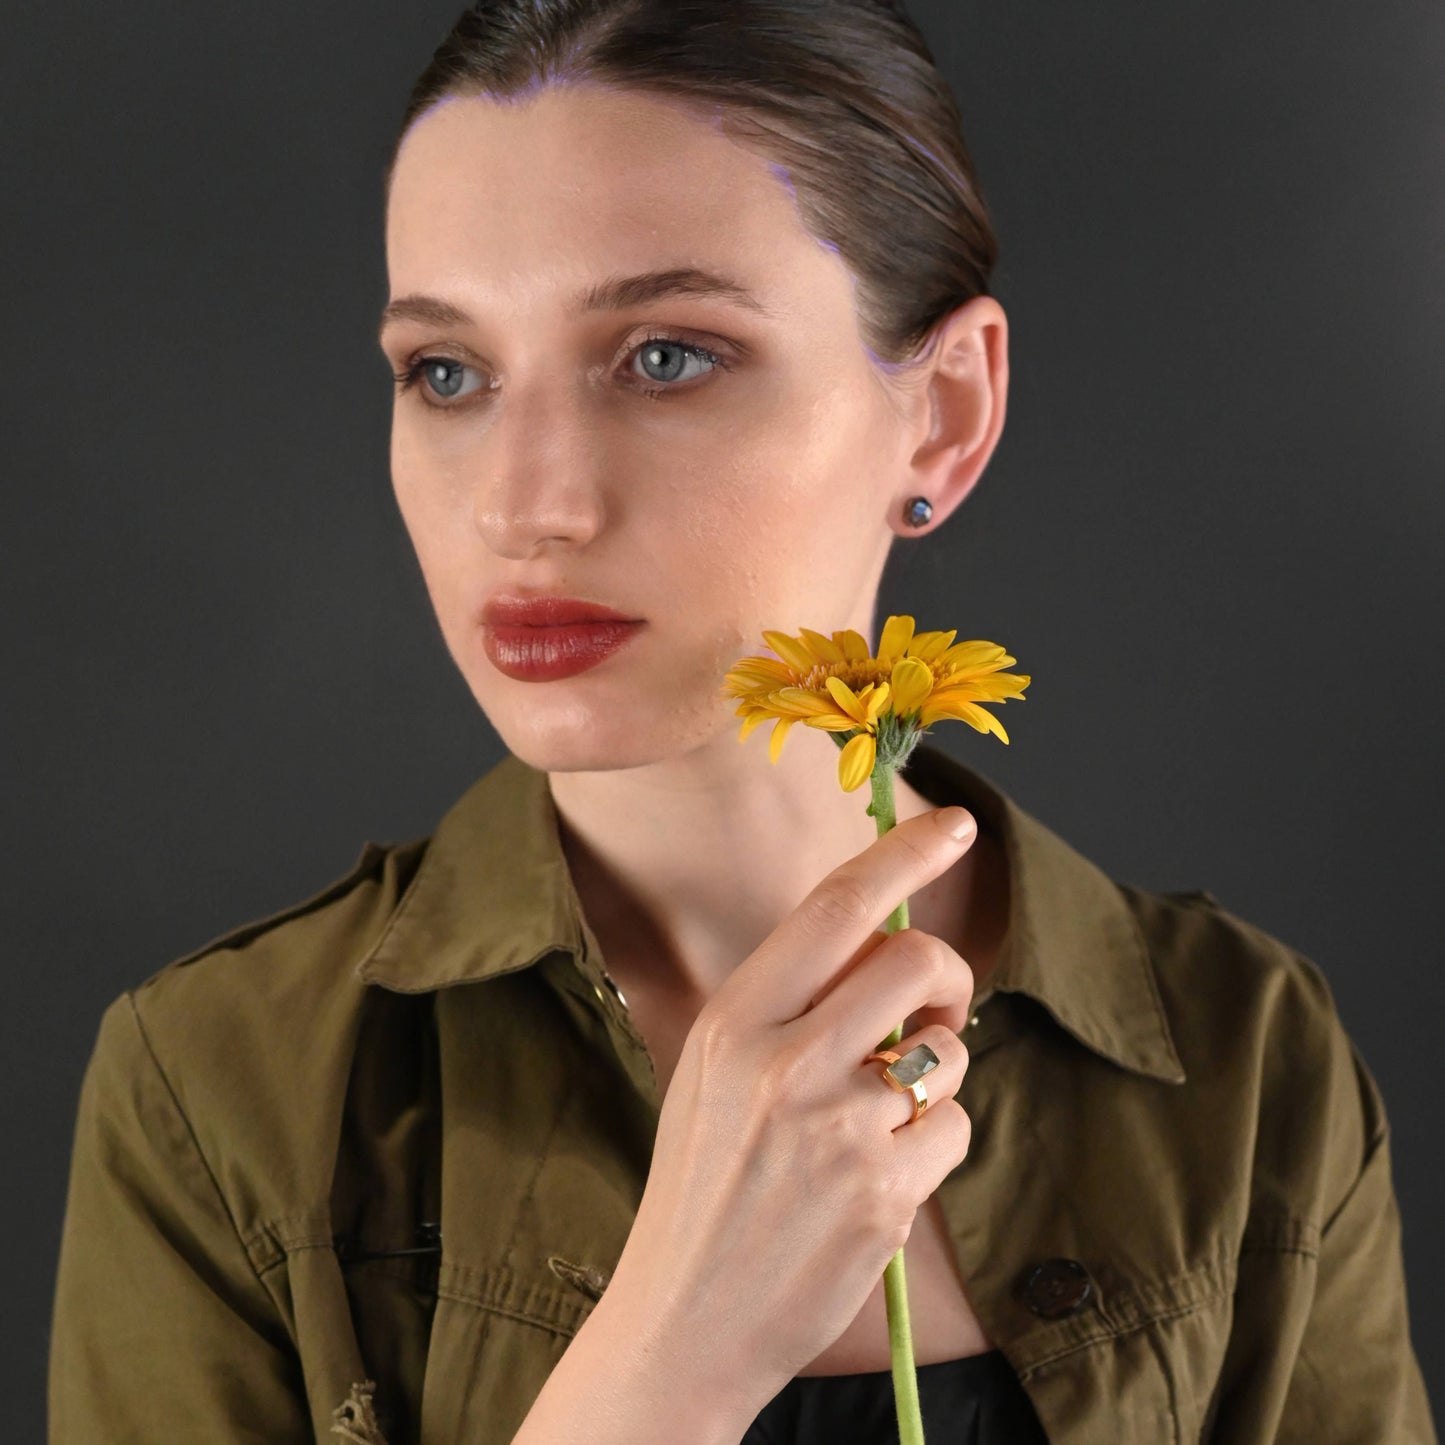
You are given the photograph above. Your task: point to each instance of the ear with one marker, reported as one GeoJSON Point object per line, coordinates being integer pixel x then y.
{"type": "Point", "coordinates": [963, 398]}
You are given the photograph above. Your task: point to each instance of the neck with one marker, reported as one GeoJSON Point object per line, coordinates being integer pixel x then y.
{"type": "Point", "coordinates": [684, 867]}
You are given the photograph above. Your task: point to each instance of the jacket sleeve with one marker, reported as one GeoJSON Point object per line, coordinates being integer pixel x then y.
{"type": "Point", "coordinates": [1356, 1376]}
{"type": "Point", "coordinates": [161, 1329]}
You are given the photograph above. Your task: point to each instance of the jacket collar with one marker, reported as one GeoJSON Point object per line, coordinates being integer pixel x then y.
{"type": "Point", "coordinates": [493, 894]}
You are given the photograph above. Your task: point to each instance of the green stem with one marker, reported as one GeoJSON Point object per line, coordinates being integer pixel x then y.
{"type": "Point", "coordinates": [895, 1285]}
{"type": "Point", "coordinates": [885, 814]}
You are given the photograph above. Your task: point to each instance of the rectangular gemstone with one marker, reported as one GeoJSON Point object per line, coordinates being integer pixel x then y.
{"type": "Point", "coordinates": [918, 1061]}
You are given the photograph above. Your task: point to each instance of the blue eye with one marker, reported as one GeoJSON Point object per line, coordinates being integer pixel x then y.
{"type": "Point", "coordinates": [668, 355]}
{"type": "Point", "coordinates": [410, 375]}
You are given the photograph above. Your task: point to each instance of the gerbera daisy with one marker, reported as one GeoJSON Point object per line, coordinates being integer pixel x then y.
{"type": "Point", "coordinates": [877, 707]}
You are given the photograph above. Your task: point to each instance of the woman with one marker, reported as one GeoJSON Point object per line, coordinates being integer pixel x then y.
{"type": "Point", "coordinates": [558, 1124]}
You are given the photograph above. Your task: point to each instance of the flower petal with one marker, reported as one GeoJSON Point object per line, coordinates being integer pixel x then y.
{"type": "Point", "coordinates": [780, 731]}
{"type": "Point", "coordinates": [846, 699]}
{"type": "Point", "coordinates": [958, 692]}
{"type": "Point", "coordinates": [756, 693]}
{"type": "Point", "coordinates": [876, 700]}
{"type": "Point", "coordinates": [750, 722]}
{"type": "Point", "coordinates": [823, 648]}
{"type": "Point", "coordinates": [978, 718]}
{"type": "Point", "coordinates": [988, 686]}
{"type": "Point", "coordinates": [793, 652]}
{"type": "Point", "coordinates": [855, 762]}
{"type": "Point", "coordinates": [897, 634]}
{"type": "Point", "coordinates": [803, 702]}
{"type": "Point", "coordinates": [929, 646]}
{"type": "Point", "coordinates": [759, 671]}
{"type": "Point", "coordinates": [912, 682]}
{"type": "Point", "coordinates": [1001, 686]}
{"type": "Point", "coordinates": [966, 656]}
{"type": "Point", "coordinates": [942, 705]}
{"type": "Point", "coordinates": [854, 645]}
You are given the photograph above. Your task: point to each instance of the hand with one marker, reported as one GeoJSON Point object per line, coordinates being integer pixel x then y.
{"type": "Point", "coordinates": [785, 1174]}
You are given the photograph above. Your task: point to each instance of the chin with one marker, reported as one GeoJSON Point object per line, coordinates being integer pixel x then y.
{"type": "Point", "coordinates": [571, 754]}
{"type": "Point", "coordinates": [572, 738]}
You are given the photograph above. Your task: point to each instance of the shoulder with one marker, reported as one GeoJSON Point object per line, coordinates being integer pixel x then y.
{"type": "Point", "coordinates": [1257, 1027]}
{"type": "Point", "coordinates": [239, 1029]}
{"type": "Point", "coordinates": [294, 957]}
{"type": "Point", "coordinates": [1223, 976]}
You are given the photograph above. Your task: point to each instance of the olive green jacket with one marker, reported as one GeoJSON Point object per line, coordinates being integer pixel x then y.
{"type": "Point", "coordinates": [359, 1170]}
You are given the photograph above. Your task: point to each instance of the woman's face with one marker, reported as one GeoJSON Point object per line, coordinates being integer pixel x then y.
{"type": "Point", "coordinates": [590, 450]}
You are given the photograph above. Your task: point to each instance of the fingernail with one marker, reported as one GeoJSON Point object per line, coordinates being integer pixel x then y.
{"type": "Point", "coordinates": [956, 822]}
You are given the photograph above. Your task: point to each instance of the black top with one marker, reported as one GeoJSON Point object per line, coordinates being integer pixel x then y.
{"type": "Point", "coordinates": [973, 1401]}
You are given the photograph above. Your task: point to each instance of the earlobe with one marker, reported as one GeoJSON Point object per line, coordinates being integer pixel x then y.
{"type": "Point", "coordinates": [967, 390]}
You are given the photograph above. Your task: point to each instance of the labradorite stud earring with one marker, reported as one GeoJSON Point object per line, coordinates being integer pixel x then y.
{"type": "Point", "coordinates": [918, 511]}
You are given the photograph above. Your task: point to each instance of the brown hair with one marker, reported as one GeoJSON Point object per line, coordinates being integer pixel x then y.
{"type": "Point", "coordinates": [843, 95]}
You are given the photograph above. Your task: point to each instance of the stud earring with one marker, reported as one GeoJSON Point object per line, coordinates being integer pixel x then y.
{"type": "Point", "coordinates": [917, 512]}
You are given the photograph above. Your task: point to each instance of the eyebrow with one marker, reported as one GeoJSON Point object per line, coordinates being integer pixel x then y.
{"type": "Point", "coordinates": [616, 293]}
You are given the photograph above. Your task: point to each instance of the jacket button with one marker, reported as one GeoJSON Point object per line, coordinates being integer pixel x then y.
{"type": "Point", "coordinates": [1057, 1288]}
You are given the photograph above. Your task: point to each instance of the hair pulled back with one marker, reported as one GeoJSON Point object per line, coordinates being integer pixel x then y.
{"type": "Point", "coordinates": [844, 95]}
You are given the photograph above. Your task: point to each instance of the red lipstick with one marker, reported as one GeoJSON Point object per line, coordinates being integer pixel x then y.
{"type": "Point", "coordinates": [541, 638]}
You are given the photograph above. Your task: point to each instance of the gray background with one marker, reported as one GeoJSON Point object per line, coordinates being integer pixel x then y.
{"type": "Point", "coordinates": [1212, 531]}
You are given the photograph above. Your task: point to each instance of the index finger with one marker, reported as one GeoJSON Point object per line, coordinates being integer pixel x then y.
{"type": "Point", "coordinates": [801, 955]}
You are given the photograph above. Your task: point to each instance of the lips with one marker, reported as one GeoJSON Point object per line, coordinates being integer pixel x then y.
{"type": "Point", "coordinates": [545, 638]}
{"type": "Point", "coordinates": [512, 610]}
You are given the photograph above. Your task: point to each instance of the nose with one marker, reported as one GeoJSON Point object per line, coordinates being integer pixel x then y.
{"type": "Point", "coordinates": [538, 479]}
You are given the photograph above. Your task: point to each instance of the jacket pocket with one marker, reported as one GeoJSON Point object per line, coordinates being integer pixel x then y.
{"type": "Point", "coordinates": [1138, 1367]}
{"type": "Point", "coordinates": [496, 1337]}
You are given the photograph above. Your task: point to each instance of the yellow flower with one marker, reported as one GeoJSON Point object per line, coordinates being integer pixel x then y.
{"type": "Point", "coordinates": [884, 703]}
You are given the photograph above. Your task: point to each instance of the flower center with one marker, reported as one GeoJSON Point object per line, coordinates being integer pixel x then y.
{"type": "Point", "coordinates": [856, 674]}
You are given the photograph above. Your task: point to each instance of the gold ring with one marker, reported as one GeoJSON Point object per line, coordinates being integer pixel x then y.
{"type": "Point", "coordinates": [905, 1073]}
